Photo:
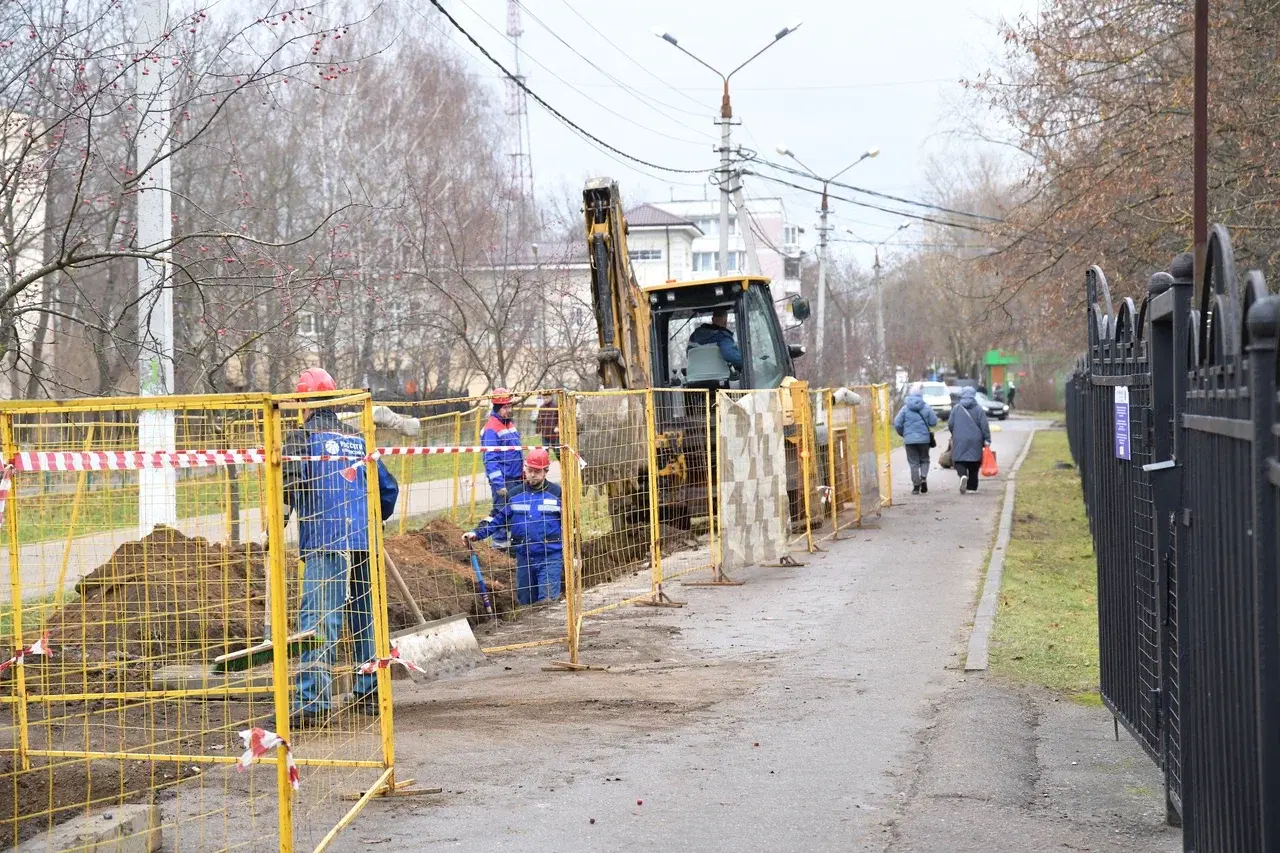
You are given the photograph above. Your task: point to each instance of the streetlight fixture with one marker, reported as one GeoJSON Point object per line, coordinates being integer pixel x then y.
{"type": "Point", "coordinates": [823, 229]}
{"type": "Point", "coordinates": [725, 122]}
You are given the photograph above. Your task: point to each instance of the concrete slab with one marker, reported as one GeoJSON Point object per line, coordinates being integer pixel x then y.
{"type": "Point", "coordinates": [119, 829]}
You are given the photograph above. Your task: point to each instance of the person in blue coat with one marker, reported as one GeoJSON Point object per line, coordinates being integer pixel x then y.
{"type": "Point", "coordinates": [330, 496]}
{"type": "Point", "coordinates": [504, 469]}
{"type": "Point", "coordinates": [915, 422]}
{"type": "Point", "coordinates": [970, 433]}
{"type": "Point", "coordinates": [532, 515]}
{"type": "Point", "coordinates": [717, 332]}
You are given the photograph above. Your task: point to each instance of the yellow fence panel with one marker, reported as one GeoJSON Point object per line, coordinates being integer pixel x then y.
{"type": "Point", "coordinates": [143, 655]}
{"type": "Point", "coordinates": [462, 467]}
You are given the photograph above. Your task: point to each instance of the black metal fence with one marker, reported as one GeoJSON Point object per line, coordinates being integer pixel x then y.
{"type": "Point", "coordinates": [1172, 415]}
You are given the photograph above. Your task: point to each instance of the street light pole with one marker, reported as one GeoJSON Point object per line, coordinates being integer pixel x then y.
{"type": "Point", "coordinates": [157, 488]}
{"type": "Point", "coordinates": [726, 132]}
{"type": "Point", "coordinates": [823, 229]}
{"type": "Point", "coordinates": [881, 350]}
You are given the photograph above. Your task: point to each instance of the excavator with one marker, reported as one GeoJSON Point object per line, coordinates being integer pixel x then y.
{"type": "Point", "coordinates": [644, 342]}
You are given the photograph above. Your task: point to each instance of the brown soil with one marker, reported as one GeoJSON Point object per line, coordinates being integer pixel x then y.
{"type": "Point", "coordinates": [436, 567]}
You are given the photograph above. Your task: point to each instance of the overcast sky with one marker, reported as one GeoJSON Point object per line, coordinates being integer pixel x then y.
{"type": "Point", "coordinates": [855, 75]}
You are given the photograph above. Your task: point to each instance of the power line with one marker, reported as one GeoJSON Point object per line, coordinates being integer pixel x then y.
{"type": "Point", "coordinates": [586, 134]}
{"type": "Point", "coordinates": [702, 113]}
{"type": "Point", "coordinates": [866, 204]}
{"type": "Point", "coordinates": [924, 204]}
{"type": "Point", "coordinates": [583, 94]}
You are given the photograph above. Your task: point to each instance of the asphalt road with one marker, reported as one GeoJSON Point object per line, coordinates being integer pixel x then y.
{"type": "Point", "coordinates": [814, 708]}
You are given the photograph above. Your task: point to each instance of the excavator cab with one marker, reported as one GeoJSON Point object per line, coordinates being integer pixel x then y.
{"type": "Point", "coordinates": [680, 309]}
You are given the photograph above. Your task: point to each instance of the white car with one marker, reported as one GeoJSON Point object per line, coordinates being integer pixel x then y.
{"type": "Point", "coordinates": [935, 396]}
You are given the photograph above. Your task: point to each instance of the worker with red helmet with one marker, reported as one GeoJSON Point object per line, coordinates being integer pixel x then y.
{"type": "Point", "coordinates": [532, 516]}
{"type": "Point", "coordinates": [503, 468]}
{"type": "Point", "coordinates": [324, 481]}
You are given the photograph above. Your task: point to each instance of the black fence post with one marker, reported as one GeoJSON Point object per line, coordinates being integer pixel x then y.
{"type": "Point", "coordinates": [1263, 328]}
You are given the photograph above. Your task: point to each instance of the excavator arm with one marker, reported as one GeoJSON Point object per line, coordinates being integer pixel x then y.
{"type": "Point", "coordinates": [621, 309]}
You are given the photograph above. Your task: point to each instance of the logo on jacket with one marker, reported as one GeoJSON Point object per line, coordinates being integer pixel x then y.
{"type": "Point", "coordinates": [332, 447]}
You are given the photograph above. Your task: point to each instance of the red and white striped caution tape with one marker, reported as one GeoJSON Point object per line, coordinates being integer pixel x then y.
{"type": "Point", "coordinates": [6, 486]}
{"type": "Point", "coordinates": [132, 460]}
{"type": "Point", "coordinates": [257, 743]}
{"type": "Point", "coordinates": [372, 665]}
{"type": "Point", "coordinates": [40, 648]}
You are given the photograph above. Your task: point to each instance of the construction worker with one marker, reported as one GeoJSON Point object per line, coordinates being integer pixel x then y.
{"type": "Point", "coordinates": [717, 332]}
{"type": "Point", "coordinates": [533, 517]}
{"type": "Point", "coordinates": [324, 481]}
{"type": "Point", "coordinates": [502, 467]}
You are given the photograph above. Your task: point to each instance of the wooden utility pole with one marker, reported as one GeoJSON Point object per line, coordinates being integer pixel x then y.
{"type": "Point", "coordinates": [1200, 209]}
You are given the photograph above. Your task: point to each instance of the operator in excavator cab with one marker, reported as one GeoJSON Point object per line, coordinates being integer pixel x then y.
{"type": "Point", "coordinates": [716, 333]}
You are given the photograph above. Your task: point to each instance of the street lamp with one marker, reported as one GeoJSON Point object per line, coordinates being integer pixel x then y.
{"type": "Point", "coordinates": [881, 353]}
{"type": "Point", "coordinates": [725, 122]}
{"type": "Point", "coordinates": [822, 236]}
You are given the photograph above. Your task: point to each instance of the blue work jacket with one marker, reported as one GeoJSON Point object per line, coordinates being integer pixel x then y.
{"type": "Point", "coordinates": [532, 516]}
{"type": "Point", "coordinates": [502, 466]}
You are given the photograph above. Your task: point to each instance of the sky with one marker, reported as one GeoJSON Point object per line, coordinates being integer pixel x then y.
{"type": "Point", "coordinates": [855, 75]}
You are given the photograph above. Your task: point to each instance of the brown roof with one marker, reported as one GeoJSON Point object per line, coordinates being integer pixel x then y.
{"type": "Point", "coordinates": [646, 215]}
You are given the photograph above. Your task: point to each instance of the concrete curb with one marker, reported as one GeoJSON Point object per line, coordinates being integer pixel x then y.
{"type": "Point", "coordinates": [980, 636]}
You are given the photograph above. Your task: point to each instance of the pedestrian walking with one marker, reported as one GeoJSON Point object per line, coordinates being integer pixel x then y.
{"type": "Point", "coordinates": [970, 432]}
{"type": "Point", "coordinates": [1013, 392]}
{"type": "Point", "coordinates": [503, 468]}
{"type": "Point", "coordinates": [532, 515]}
{"type": "Point", "coordinates": [324, 482]}
{"type": "Point", "coordinates": [915, 422]}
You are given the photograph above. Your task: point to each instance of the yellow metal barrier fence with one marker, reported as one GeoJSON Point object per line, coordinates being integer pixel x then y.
{"type": "Point", "coordinates": [140, 655]}
{"type": "Point", "coordinates": [461, 467]}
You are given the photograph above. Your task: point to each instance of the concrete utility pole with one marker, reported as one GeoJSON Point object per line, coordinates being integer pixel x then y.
{"type": "Point", "coordinates": [157, 488]}
{"type": "Point", "coordinates": [882, 354]}
{"type": "Point", "coordinates": [725, 172]}
{"type": "Point", "coordinates": [823, 229]}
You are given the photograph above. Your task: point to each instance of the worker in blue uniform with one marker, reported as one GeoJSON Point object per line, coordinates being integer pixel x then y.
{"type": "Point", "coordinates": [532, 515]}
{"type": "Point", "coordinates": [503, 468]}
{"type": "Point", "coordinates": [324, 482]}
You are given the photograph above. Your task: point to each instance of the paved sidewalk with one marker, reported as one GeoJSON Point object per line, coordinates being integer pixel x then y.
{"type": "Point", "coordinates": [816, 708]}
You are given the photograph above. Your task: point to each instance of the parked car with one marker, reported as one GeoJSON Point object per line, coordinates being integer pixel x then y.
{"type": "Point", "coordinates": [994, 408]}
{"type": "Point", "coordinates": [935, 397]}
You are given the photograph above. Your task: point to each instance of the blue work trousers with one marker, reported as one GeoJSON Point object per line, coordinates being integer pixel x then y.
{"type": "Point", "coordinates": [539, 574]}
{"type": "Point", "coordinates": [334, 583]}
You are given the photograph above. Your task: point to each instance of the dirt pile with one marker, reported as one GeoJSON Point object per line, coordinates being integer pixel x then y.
{"type": "Point", "coordinates": [436, 567]}
{"type": "Point", "coordinates": [165, 596]}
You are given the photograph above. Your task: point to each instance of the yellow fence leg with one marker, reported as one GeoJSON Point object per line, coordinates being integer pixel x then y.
{"type": "Point", "coordinates": [274, 508]}
{"type": "Point", "coordinates": [713, 485]}
{"type": "Point", "coordinates": [15, 594]}
{"type": "Point", "coordinates": [378, 591]}
{"type": "Point", "coordinates": [833, 491]}
{"type": "Point", "coordinates": [59, 593]}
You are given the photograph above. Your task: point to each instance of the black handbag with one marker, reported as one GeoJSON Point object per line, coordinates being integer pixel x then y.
{"type": "Point", "coordinates": [933, 441]}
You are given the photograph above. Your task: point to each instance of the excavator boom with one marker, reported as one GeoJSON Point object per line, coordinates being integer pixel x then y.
{"type": "Point", "coordinates": [621, 309]}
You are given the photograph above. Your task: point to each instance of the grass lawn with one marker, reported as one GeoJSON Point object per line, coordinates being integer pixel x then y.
{"type": "Point", "coordinates": [1046, 630]}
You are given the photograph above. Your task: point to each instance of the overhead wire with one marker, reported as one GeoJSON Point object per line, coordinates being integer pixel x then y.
{"type": "Point", "coordinates": [857, 203]}
{"type": "Point", "coordinates": [602, 106]}
{"type": "Point", "coordinates": [913, 202]}
{"type": "Point", "coordinates": [568, 122]}
{"type": "Point", "coordinates": [635, 93]}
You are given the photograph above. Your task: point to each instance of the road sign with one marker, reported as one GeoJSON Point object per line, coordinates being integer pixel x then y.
{"type": "Point", "coordinates": [1122, 422]}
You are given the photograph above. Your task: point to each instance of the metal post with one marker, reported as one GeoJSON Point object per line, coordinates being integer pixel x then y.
{"type": "Point", "coordinates": [726, 124]}
{"type": "Point", "coordinates": [881, 354]}
{"type": "Point", "coordinates": [1264, 327]}
{"type": "Point", "coordinates": [157, 488]}
{"type": "Point", "coordinates": [1200, 133]}
{"type": "Point", "coordinates": [820, 331]}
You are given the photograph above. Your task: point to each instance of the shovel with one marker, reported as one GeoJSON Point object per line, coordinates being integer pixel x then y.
{"type": "Point", "coordinates": [480, 584]}
{"type": "Point", "coordinates": [440, 647]}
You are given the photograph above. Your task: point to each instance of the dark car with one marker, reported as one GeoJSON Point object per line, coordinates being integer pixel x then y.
{"type": "Point", "coordinates": [993, 408]}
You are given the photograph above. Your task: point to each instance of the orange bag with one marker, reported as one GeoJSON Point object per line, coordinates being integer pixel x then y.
{"type": "Point", "coordinates": [989, 466]}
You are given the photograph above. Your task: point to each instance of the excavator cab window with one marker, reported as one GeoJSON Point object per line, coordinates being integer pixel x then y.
{"type": "Point", "coordinates": [675, 333]}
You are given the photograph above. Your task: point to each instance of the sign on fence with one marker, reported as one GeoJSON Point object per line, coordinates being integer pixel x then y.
{"type": "Point", "coordinates": [1122, 422]}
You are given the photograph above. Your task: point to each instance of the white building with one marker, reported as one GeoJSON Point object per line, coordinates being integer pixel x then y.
{"type": "Point", "coordinates": [680, 240]}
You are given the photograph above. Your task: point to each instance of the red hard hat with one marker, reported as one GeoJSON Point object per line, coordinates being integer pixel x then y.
{"type": "Point", "coordinates": [315, 379]}
{"type": "Point", "coordinates": [538, 459]}
{"type": "Point", "coordinates": [501, 397]}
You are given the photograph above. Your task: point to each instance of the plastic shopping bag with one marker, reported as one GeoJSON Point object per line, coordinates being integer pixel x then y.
{"type": "Point", "coordinates": [989, 466]}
